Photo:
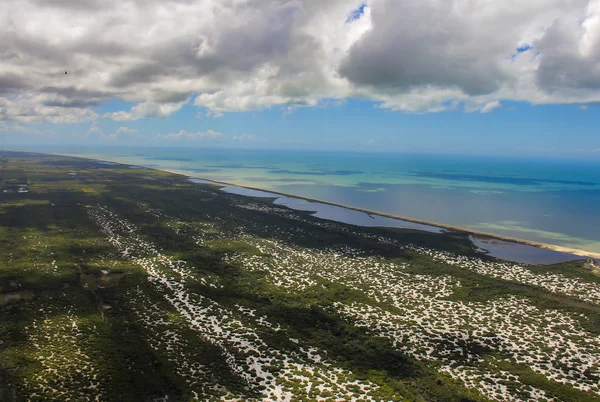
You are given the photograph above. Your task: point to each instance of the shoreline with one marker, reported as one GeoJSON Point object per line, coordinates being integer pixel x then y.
{"type": "Point", "coordinates": [454, 228]}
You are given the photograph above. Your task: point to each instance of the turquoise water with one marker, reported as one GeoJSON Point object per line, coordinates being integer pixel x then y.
{"type": "Point", "coordinates": [555, 202]}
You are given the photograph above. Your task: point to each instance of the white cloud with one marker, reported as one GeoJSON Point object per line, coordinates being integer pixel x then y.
{"type": "Point", "coordinates": [215, 114]}
{"type": "Point", "coordinates": [414, 55]}
{"type": "Point", "coordinates": [185, 136]}
{"type": "Point", "coordinates": [95, 132]}
{"type": "Point", "coordinates": [127, 131]}
{"type": "Point", "coordinates": [328, 103]}
{"type": "Point", "coordinates": [490, 106]}
{"type": "Point", "coordinates": [17, 129]}
{"type": "Point", "coordinates": [26, 108]}
{"type": "Point", "coordinates": [146, 109]}
{"type": "Point", "coordinates": [121, 133]}
{"type": "Point", "coordinates": [244, 138]}
{"type": "Point", "coordinates": [430, 55]}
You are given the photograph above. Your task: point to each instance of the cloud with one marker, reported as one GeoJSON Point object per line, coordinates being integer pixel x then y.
{"type": "Point", "coordinates": [327, 103]}
{"type": "Point", "coordinates": [94, 131]}
{"type": "Point", "coordinates": [430, 55]}
{"type": "Point", "coordinates": [571, 53]}
{"type": "Point", "coordinates": [127, 131]}
{"type": "Point", "coordinates": [27, 108]}
{"type": "Point", "coordinates": [415, 55]}
{"type": "Point", "coordinates": [121, 133]}
{"type": "Point", "coordinates": [185, 136]}
{"type": "Point", "coordinates": [490, 106]}
{"type": "Point", "coordinates": [423, 43]}
{"type": "Point", "coordinates": [17, 129]}
{"type": "Point", "coordinates": [244, 138]}
{"type": "Point", "coordinates": [146, 109]}
{"type": "Point", "coordinates": [215, 114]}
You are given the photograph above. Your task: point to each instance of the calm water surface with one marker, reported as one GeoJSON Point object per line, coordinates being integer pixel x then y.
{"type": "Point", "coordinates": [331, 212]}
{"type": "Point", "coordinates": [555, 202]}
{"type": "Point", "coordinates": [505, 250]}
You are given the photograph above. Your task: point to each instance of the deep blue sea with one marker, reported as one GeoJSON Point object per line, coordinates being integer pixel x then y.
{"type": "Point", "coordinates": [555, 202]}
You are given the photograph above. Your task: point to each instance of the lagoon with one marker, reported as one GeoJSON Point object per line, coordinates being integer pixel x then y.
{"type": "Point", "coordinates": [547, 201]}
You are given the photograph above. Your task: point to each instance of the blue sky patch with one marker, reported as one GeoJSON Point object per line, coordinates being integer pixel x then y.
{"type": "Point", "coordinates": [516, 128]}
{"type": "Point", "coordinates": [356, 14]}
{"type": "Point", "coordinates": [524, 48]}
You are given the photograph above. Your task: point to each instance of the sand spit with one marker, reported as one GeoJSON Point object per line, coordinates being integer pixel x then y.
{"type": "Point", "coordinates": [561, 249]}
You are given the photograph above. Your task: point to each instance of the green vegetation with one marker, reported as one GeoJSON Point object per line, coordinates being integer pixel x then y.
{"type": "Point", "coordinates": [135, 284]}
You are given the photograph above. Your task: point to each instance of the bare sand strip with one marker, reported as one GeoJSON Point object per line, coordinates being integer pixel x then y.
{"type": "Point", "coordinates": [484, 235]}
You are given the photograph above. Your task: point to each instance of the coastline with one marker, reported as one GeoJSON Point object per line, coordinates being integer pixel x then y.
{"type": "Point", "coordinates": [454, 228]}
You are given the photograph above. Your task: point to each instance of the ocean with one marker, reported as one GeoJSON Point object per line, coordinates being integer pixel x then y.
{"type": "Point", "coordinates": [548, 201]}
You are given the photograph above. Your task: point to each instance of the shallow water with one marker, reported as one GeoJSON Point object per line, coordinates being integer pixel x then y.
{"type": "Point", "coordinates": [333, 212]}
{"type": "Point", "coordinates": [508, 251]}
{"type": "Point", "coordinates": [522, 253]}
{"type": "Point", "coordinates": [547, 201]}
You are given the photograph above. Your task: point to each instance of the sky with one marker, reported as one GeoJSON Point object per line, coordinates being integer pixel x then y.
{"type": "Point", "coordinates": [433, 76]}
